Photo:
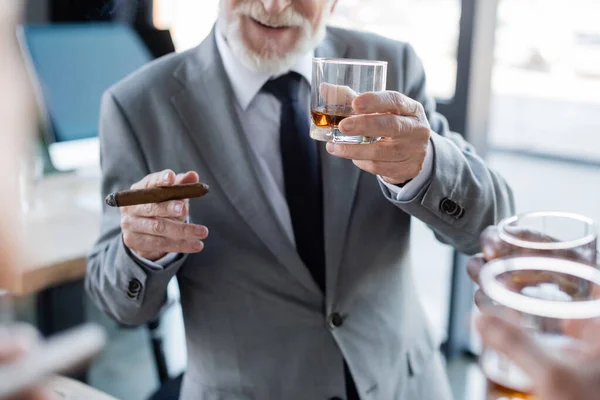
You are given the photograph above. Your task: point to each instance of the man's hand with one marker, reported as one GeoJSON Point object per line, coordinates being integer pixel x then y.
{"type": "Point", "coordinates": [576, 377]}
{"type": "Point", "coordinates": [153, 230]}
{"type": "Point", "coordinates": [15, 341]}
{"type": "Point", "coordinates": [401, 122]}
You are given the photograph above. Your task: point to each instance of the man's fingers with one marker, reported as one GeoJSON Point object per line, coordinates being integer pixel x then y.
{"type": "Point", "coordinates": [513, 342]}
{"type": "Point", "coordinates": [474, 266]}
{"type": "Point", "coordinates": [387, 102]}
{"type": "Point", "coordinates": [491, 244]}
{"type": "Point", "coordinates": [143, 243]}
{"type": "Point", "coordinates": [487, 306]}
{"type": "Point", "coordinates": [164, 227]}
{"type": "Point", "coordinates": [385, 150]}
{"type": "Point", "coordinates": [587, 330]}
{"type": "Point", "coordinates": [168, 209]}
{"type": "Point", "coordinates": [166, 178]}
{"type": "Point", "coordinates": [186, 178]}
{"type": "Point", "coordinates": [386, 125]}
{"type": "Point", "coordinates": [337, 95]}
{"type": "Point", "coordinates": [163, 178]}
{"type": "Point", "coordinates": [482, 301]}
{"type": "Point", "coordinates": [173, 209]}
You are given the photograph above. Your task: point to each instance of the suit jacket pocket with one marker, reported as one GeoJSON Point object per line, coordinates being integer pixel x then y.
{"type": "Point", "coordinates": [427, 379]}
{"type": "Point", "coordinates": [418, 357]}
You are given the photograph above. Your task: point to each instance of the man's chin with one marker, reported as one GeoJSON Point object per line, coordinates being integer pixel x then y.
{"type": "Point", "coordinates": [271, 64]}
{"type": "Point", "coordinates": [268, 60]}
{"type": "Point", "coordinates": [271, 59]}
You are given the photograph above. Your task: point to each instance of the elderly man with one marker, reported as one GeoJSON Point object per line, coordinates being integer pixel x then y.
{"type": "Point", "coordinates": [284, 301]}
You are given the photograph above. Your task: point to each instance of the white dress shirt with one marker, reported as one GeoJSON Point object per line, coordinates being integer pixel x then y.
{"type": "Point", "coordinates": [259, 113]}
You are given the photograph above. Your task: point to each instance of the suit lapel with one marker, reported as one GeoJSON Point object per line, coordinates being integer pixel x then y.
{"type": "Point", "coordinates": [206, 106]}
{"type": "Point", "coordinates": [340, 181]}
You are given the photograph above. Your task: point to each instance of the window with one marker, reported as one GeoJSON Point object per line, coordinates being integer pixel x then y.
{"type": "Point", "coordinates": [546, 80]}
{"type": "Point", "coordinates": [190, 21]}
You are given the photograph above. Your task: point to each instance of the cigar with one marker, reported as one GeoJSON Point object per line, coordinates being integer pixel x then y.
{"type": "Point", "coordinates": [156, 194]}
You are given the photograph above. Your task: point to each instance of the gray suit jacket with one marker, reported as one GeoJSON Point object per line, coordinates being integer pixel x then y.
{"type": "Point", "coordinates": [256, 323]}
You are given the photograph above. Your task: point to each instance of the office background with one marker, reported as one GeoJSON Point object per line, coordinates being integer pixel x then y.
{"type": "Point", "coordinates": [520, 78]}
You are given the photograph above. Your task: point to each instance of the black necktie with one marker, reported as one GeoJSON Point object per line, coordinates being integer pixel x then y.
{"type": "Point", "coordinates": [302, 181]}
{"type": "Point", "coordinates": [301, 174]}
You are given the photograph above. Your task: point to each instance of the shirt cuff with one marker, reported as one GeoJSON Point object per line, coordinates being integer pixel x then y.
{"type": "Point", "coordinates": [159, 264]}
{"type": "Point", "coordinates": [412, 188]}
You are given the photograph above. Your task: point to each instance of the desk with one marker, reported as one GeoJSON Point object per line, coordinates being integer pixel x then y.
{"type": "Point", "coordinates": [61, 226]}
{"type": "Point", "coordinates": [60, 229]}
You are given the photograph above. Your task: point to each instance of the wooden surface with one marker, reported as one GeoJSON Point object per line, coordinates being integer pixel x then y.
{"type": "Point", "coordinates": [68, 389]}
{"type": "Point", "coordinates": [61, 226]}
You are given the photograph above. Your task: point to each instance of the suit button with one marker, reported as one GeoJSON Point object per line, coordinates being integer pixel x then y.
{"type": "Point", "coordinates": [134, 288]}
{"type": "Point", "coordinates": [449, 207]}
{"type": "Point", "coordinates": [335, 320]}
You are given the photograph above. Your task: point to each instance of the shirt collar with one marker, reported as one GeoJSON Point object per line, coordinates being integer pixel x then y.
{"type": "Point", "coordinates": [247, 83]}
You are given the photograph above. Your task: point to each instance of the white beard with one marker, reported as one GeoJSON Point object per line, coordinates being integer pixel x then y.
{"type": "Point", "coordinates": [272, 63]}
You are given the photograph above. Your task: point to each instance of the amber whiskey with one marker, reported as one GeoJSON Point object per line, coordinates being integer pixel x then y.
{"type": "Point", "coordinates": [505, 381]}
{"type": "Point", "coordinates": [330, 116]}
{"type": "Point", "coordinates": [496, 391]}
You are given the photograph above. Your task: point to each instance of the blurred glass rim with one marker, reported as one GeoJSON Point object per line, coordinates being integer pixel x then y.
{"type": "Point", "coordinates": [349, 61]}
{"type": "Point", "coordinates": [561, 245]}
{"type": "Point", "coordinates": [498, 293]}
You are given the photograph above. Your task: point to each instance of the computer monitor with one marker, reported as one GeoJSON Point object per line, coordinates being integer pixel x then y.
{"type": "Point", "coordinates": [72, 65]}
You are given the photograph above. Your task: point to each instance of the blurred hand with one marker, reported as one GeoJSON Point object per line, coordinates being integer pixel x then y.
{"type": "Point", "coordinates": [401, 122]}
{"type": "Point", "coordinates": [575, 377]}
{"type": "Point", "coordinates": [492, 247]}
{"type": "Point", "coordinates": [153, 230]}
{"type": "Point", "coordinates": [15, 341]}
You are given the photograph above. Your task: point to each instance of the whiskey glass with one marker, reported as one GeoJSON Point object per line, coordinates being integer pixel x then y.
{"type": "Point", "coordinates": [551, 234]}
{"type": "Point", "coordinates": [335, 84]}
{"type": "Point", "coordinates": [553, 299]}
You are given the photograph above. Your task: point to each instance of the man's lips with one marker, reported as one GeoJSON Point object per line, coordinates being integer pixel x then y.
{"type": "Point", "coordinates": [268, 26]}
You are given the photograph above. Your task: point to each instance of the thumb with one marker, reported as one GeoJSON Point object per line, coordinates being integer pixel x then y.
{"type": "Point", "coordinates": [338, 95]}
{"type": "Point", "coordinates": [186, 178]}
{"type": "Point", "coordinates": [515, 343]}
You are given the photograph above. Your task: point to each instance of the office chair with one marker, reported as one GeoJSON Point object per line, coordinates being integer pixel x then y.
{"type": "Point", "coordinates": [73, 64]}
{"type": "Point", "coordinates": [158, 41]}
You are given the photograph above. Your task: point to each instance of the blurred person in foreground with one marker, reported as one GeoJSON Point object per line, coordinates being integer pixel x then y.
{"type": "Point", "coordinates": [16, 116]}
{"type": "Point", "coordinates": [571, 378]}
{"type": "Point", "coordinates": [293, 296]}
{"type": "Point", "coordinates": [17, 340]}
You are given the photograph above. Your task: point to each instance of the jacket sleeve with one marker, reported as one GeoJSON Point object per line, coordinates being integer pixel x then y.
{"type": "Point", "coordinates": [463, 195]}
{"type": "Point", "coordinates": [120, 284]}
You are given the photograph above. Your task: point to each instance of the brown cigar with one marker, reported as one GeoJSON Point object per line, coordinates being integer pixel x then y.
{"type": "Point", "coordinates": [156, 194]}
